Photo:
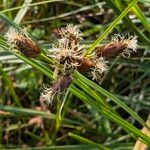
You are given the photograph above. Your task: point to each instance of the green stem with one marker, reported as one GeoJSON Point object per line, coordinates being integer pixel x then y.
{"type": "Point", "coordinates": [45, 58]}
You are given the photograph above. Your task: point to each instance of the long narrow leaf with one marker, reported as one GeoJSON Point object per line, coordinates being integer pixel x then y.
{"type": "Point", "coordinates": [26, 111]}
{"type": "Point", "coordinates": [10, 86]}
{"type": "Point", "coordinates": [111, 96]}
{"type": "Point", "coordinates": [127, 20]}
{"type": "Point", "coordinates": [107, 113]}
{"type": "Point", "coordinates": [87, 141]}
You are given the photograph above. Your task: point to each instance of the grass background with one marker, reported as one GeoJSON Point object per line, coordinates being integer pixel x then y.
{"type": "Point", "coordinates": [89, 116]}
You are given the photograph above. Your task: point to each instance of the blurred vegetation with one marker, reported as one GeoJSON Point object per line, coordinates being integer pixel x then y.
{"type": "Point", "coordinates": [85, 123]}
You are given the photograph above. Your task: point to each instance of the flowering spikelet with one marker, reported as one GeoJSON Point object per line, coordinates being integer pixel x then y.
{"type": "Point", "coordinates": [124, 45]}
{"type": "Point", "coordinates": [67, 53]}
{"type": "Point", "coordinates": [23, 43]}
{"type": "Point", "coordinates": [99, 68]}
{"type": "Point", "coordinates": [47, 96]}
{"type": "Point", "coordinates": [13, 34]}
{"type": "Point", "coordinates": [63, 49]}
{"type": "Point", "coordinates": [57, 89]}
{"type": "Point", "coordinates": [71, 32]}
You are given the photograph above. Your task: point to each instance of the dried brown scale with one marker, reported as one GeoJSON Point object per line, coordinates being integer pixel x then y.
{"type": "Point", "coordinates": [68, 59]}
{"type": "Point", "coordinates": [110, 50]}
{"type": "Point", "coordinates": [73, 41]}
{"type": "Point", "coordinates": [62, 83]}
{"type": "Point", "coordinates": [27, 47]}
{"type": "Point", "coordinates": [72, 37]}
{"type": "Point", "coordinates": [85, 65]}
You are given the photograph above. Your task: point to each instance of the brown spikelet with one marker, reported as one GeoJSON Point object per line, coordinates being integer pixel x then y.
{"type": "Point", "coordinates": [72, 34]}
{"type": "Point", "coordinates": [124, 45]}
{"type": "Point", "coordinates": [22, 42]}
{"type": "Point", "coordinates": [110, 50]}
{"type": "Point", "coordinates": [62, 83]}
{"type": "Point", "coordinates": [27, 47]}
{"type": "Point", "coordinates": [85, 65]}
{"type": "Point", "coordinates": [58, 88]}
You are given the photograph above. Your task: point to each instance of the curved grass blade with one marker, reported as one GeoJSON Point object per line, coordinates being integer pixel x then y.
{"type": "Point", "coordinates": [93, 94]}
{"type": "Point", "coordinates": [62, 105]}
{"type": "Point", "coordinates": [9, 83]}
{"type": "Point", "coordinates": [26, 111]}
{"type": "Point", "coordinates": [110, 115]}
{"type": "Point", "coordinates": [111, 96]}
{"type": "Point", "coordinates": [142, 17]}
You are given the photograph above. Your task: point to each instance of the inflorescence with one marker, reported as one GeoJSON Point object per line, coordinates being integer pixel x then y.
{"type": "Point", "coordinates": [68, 56]}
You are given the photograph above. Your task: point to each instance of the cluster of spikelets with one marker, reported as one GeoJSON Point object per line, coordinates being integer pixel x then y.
{"type": "Point", "coordinates": [68, 56]}
{"type": "Point", "coordinates": [69, 52]}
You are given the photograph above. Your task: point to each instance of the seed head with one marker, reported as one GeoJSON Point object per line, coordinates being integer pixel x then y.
{"type": "Point", "coordinates": [67, 54]}
{"type": "Point", "coordinates": [57, 89]}
{"type": "Point", "coordinates": [62, 83]}
{"type": "Point", "coordinates": [68, 51]}
{"type": "Point", "coordinates": [124, 45]}
{"type": "Point", "coordinates": [130, 42]}
{"type": "Point", "coordinates": [63, 49]}
{"type": "Point", "coordinates": [71, 32]}
{"type": "Point", "coordinates": [23, 43]}
{"type": "Point", "coordinates": [47, 96]}
{"type": "Point", "coordinates": [13, 34]}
